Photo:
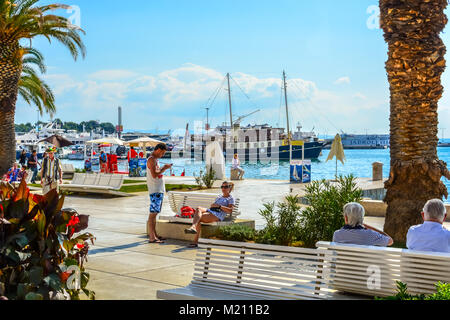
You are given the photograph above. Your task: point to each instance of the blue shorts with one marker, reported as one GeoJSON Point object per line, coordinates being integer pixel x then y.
{"type": "Point", "coordinates": [156, 201]}
{"type": "Point", "coordinates": [221, 215]}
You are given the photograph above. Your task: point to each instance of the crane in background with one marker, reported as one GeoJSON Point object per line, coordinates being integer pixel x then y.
{"type": "Point", "coordinates": [237, 122]}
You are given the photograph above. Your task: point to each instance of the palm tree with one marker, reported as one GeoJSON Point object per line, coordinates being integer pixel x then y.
{"type": "Point", "coordinates": [414, 67]}
{"type": "Point", "coordinates": [32, 89]}
{"type": "Point", "coordinates": [21, 21]}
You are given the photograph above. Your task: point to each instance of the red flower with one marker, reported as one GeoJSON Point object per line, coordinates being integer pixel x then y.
{"type": "Point", "coordinates": [64, 276]}
{"type": "Point", "coordinates": [73, 221]}
{"type": "Point", "coordinates": [79, 246]}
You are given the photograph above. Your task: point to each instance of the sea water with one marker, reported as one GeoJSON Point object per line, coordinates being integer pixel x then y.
{"type": "Point", "coordinates": [358, 162]}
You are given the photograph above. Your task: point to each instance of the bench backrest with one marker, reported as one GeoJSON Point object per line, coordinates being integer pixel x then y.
{"type": "Point", "coordinates": [78, 178]}
{"type": "Point", "coordinates": [104, 179]}
{"type": "Point", "coordinates": [67, 167]}
{"type": "Point", "coordinates": [374, 271]}
{"type": "Point", "coordinates": [262, 271]}
{"type": "Point", "coordinates": [116, 181]}
{"type": "Point", "coordinates": [90, 179]}
{"type": "Point", "coordinates": [178, 200]}
{"type": "Point", "coordinates": [422, 270]}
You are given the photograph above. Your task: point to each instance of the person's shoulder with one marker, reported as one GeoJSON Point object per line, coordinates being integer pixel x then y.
{"type": "Point", "coordinates": [339, 231]}
{"type": "Point", "coordinates": [415, 228]}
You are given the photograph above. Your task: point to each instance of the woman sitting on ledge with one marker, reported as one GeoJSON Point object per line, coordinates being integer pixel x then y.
{"type": "Point", "coordinates": [356, 232]}
{"type": "Point", "coordinates": [218, 211]}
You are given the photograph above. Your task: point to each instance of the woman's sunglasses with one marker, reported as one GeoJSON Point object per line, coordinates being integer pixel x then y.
{"type": "Point", "coordinates": [225, 187]}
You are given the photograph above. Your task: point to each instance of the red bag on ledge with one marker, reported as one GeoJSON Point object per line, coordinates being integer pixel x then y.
{"type": "Point", "coordinates": [187, 213]}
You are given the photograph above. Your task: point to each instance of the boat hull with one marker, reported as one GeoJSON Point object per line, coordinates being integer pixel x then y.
{"type": "Point", "coordinates": [313, 151]}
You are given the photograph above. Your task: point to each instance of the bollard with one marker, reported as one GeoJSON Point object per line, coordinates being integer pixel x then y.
{"type": "Point", "coordinates": [377, 171]}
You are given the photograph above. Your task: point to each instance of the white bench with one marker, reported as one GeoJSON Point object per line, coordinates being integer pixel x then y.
{"type": "Point", "coordinates": [96, 183]}
{"type": "Point", "coordinates": [178, 200]}
{"type": "Point", "coordinates": [243, 271]}
{"type": "Point", "coordinates": [373, 271]}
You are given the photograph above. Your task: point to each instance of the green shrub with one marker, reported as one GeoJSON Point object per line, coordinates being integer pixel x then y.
{"type": "Point", "coordinates": [282, 222]}
{"type": "Point", "coordinates": [207, 179]}
{"type": "Point", "coordinates": [442, 293]}
{"type": "Point", "coordinates": [80, 170]}
{"type": "Point", "coordinates": [324, 214]}
{"type": "Point", "coordinates": [237, 232]}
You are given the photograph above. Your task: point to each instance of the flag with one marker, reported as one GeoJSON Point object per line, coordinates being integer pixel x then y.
{"type": "Point", "coordinates": [337, 150]}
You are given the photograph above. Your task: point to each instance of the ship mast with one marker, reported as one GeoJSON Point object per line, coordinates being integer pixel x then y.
{"type": "Point", "coordinates": [229, 100]}
{"type": "Point", "coordinates": [287, 115]}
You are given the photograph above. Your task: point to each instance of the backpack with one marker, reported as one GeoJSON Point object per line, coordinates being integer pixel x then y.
{"type": "Point", "coordinates": [187, 213]}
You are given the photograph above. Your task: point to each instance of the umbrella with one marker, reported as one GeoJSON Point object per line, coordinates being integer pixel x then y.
{"type": "Point", "coordinates": [337, 150]}
{"type": "Point", "coordinates": [58, 141]}
{"type": "Point", "coordinates": [107, 140]}
{"type": "Point", "coordinates": [143, 142]}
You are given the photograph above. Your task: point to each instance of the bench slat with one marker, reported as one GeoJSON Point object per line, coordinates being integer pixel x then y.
{"type": "Point", "coordinates": [284, 293]}
{"type": "Point", "coordinates": [257, 265]}
{"type": "Point", "coordinates": [260, 274]}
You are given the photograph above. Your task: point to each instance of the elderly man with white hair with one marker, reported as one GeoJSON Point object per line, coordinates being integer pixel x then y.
{"type": "Point", "coordinates": [431, 235]}
{"type": "Point", "coordinates": [356, 232]}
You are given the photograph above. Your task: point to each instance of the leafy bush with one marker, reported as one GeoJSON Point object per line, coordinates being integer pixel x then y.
{"type": "Point", "coordinates": [80, 170]}
{"type": "Point", "coordinates": [324, 216]}
{"type": "Point", "coordinates": [282, 222]}
{"type": "Point", "coordinates": [442, 293]}
{"type": "Point", "coordinates": [236, 232]}
{"type": "Point", "coordinates": [39, 248]}
{"type": "Point", "coordinates": [207, 179]}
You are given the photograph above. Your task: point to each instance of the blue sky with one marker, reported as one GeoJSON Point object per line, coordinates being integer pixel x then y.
{"type": "Point", "coordinates": [162, 60]}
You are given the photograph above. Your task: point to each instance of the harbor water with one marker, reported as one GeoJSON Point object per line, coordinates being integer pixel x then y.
{"type": "Point", "coordinates": [359, 163]}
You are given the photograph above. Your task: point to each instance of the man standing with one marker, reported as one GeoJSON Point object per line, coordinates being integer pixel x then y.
{"type": "Point", "coordinates": [431, 235]}
{"type": "Point", "coordinates": [32, 164]}
{"type": "Point", "coordinates": [156, 189]}
{"type": "Point", "coordinates": [51, 172]}
{"type": "Point", "coordinates": [103, 162]}
{"type": "Point", "coordinates": [132, 154]}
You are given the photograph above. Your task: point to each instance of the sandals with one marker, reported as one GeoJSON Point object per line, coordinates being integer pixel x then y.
{"type": "Point", "coordinates": [161, 238]}
{"type": "Point", "coordinates": [193, 245]}
{"type": "Point", "coordinates": [155, 241]}
{"type": "Point", "coordinates": [190, 231]}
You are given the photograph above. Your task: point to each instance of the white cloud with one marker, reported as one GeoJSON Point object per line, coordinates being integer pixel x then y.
{"type": "Point", "coordinates": [359, 96]}
{"type": "Point", "coordinates": [342, 80]}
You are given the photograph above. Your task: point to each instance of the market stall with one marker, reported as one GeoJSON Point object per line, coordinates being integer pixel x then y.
{"type": "Point", "coordinates": [114, 163]}
{"type": "Point", "coordinates": [138, 165]}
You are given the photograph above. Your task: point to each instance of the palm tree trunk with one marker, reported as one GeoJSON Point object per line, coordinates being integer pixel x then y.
{"type": "Point", "coordinates": [414, 67]}
{"type": "Point", "coordinates": [10, 71]}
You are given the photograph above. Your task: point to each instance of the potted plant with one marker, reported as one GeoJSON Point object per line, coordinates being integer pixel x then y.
{"type": "Point", "coordinates": [42, 252]}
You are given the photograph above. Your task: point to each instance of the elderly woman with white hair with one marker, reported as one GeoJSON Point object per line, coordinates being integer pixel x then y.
{"type": "Point", "coordinates": [431, 235]}
{"type": "Point", "coordinates": [356, 232]}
